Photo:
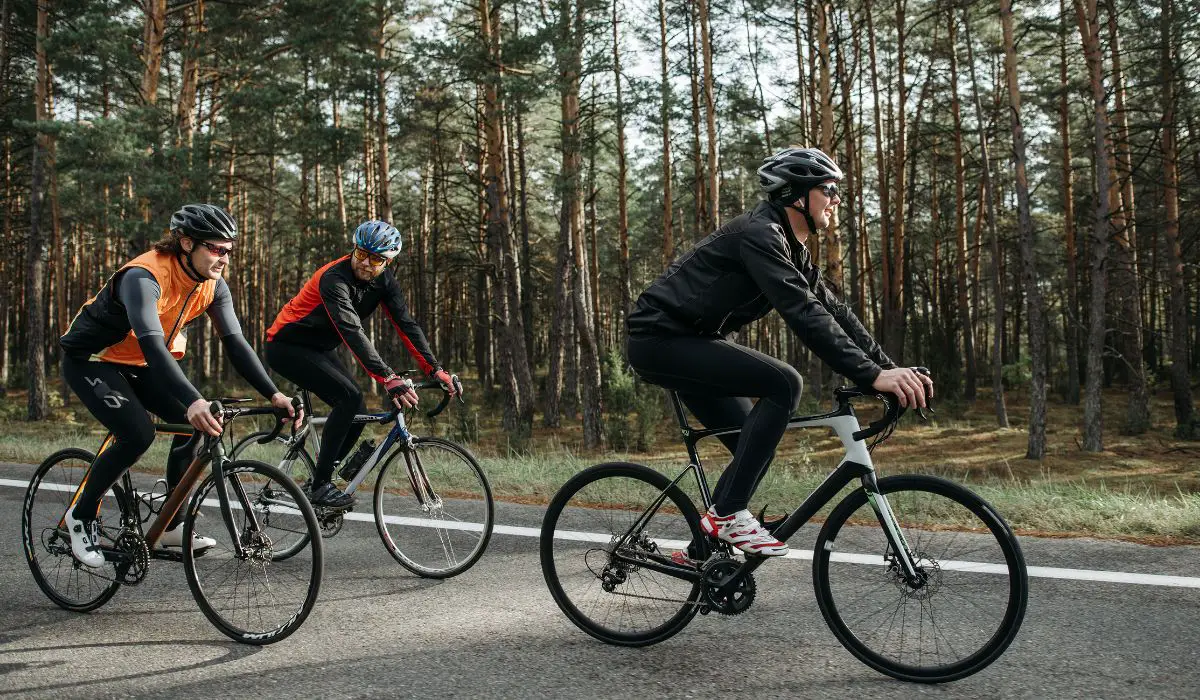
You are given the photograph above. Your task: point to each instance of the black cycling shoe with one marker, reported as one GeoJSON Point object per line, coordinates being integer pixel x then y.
{"type": "Point", "coordinates": [327, 495]}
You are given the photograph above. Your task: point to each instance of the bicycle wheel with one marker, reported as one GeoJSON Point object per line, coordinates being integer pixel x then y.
{"type": "Point", "coordinates": [972, 601]}
{"type": "Point", "coordinates": [253, 597]}
{"type": "Point", "coordinates": [433, 508]}
{"type": "Point", "coordinates": [612, 599]}
{"type": "Point", "coordinates": [64, 580]}
{"type": "Point", "coordinates": [297, 464]}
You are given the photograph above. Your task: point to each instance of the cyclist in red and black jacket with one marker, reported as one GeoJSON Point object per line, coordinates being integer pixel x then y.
{"type": "Point", "coordinates": [329, 311]}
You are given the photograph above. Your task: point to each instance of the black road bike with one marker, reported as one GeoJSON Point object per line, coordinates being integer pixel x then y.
{"type": "Point", "coordinates": [917, 576]}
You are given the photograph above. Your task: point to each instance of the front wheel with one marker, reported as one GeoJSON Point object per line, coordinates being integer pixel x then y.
{"type": "Point", "coordinates": [620, 550]}
{"type": "Point", "coordinates": [957, 616]}
{"type": "Point", "coordinates": [433, 508]}
{"type": "Point", "coordinates": [294, 462]}
{"type": "Point", "coordinates": [240, 584]}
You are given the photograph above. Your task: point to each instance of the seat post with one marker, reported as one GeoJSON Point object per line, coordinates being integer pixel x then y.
{"type": "Point", "coordinates": [680, 415]}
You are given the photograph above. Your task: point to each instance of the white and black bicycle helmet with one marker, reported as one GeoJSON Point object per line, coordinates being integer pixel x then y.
{"type": "Point", "coordinates": [204, 222]}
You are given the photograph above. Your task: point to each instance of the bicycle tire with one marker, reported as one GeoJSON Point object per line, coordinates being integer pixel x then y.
{"type": "Point", "coordinates": [464, 503]}
{"type": "Point", "coordinates": [957, 539]}
{"type": "Point", "coordinates": [614, 496]}
{"type": "Point", "coordinates": [300, 469]}
{"type": "Point", "coordinates": [47, 546]}
{"type": "Point", "coordinates": [259, 570]}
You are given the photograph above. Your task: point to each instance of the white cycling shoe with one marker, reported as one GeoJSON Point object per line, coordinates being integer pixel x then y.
{"type": "Point", "coordinates": [173, 539]}
{"type": "Point", "coordinates": [742, 530]}
{"type": "Point", "coordinates": [85, 538]}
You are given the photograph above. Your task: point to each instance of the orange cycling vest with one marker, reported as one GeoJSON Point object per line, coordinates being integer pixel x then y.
{"type": "Point", "coordinates": [183, 299]}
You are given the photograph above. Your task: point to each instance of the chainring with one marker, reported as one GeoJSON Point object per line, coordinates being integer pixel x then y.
{"type": "Point", "coordinates": [716, 571]}
{"type": "Point", "coordinates": [331, 522]}
{"type": "Point", "coordinates": [133, 546]}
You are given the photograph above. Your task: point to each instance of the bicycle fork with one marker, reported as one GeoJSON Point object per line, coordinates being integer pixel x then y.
{"type": "Point", "coordinates": [898, 545]}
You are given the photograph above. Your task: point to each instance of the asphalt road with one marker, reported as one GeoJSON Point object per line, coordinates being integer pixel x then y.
{"type": "Point", "coordinates": [495, 632]}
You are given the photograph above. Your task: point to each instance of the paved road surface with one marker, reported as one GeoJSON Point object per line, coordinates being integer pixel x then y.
{"type": "Point", "coordinates": [495, 632]}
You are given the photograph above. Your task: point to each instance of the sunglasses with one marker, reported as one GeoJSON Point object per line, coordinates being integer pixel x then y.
{"type": "Point", "coordinates": [830, 190]}
{"type": "Point", "coordinates": [376, 260]}
{"type": "Point", "coordinates": [216, 250]}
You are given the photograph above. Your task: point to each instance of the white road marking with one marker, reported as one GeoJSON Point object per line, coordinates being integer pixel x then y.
{"type": "Point", "coordinates": [804, 554]}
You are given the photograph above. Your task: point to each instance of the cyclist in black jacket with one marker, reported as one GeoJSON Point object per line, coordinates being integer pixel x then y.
{"type": "Point", "coordinates": [679, 332]}
{"type": "Point", "coordinates": [327, 312]}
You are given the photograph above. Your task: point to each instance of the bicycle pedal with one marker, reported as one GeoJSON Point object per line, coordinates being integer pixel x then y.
{"type": "Point", "coordinates": [166, 555]}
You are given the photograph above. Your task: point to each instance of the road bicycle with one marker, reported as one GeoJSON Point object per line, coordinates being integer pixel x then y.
{"type": "Point", "coordinates": [237, 583]}
{"type": "Point", "coordinates": [432, 502]}
{"type": "Point", "coordinates": [916, 576]}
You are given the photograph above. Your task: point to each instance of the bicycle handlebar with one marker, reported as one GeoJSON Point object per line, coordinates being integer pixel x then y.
{"type": "Point", "coordinates": [217, 408]}
{"type": "Point", "coordinates": [891, 402]}
{"type": "Point", "coordinates": [432, 383]}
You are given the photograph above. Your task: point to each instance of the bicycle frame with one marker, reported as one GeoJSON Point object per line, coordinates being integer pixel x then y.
{"type": "Point", "coordinates": [210, 451]}
{"type": "Point", "coordinates": [856, 464]}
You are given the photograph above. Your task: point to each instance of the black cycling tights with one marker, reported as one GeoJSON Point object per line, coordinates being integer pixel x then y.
{"type": "Point", "coordinates": [716, 379]}
{"type": "Point", "coordinates": [323, 374]}
{"type": "Point", "coordinates": [119, 396]}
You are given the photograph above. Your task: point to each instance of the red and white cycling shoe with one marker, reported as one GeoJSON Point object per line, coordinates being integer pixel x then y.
{"type": "Point", "coordinates": [742, 530]}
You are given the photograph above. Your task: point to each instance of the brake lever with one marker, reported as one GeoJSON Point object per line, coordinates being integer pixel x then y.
{"type": "Point", "coordinates": [927, 411]}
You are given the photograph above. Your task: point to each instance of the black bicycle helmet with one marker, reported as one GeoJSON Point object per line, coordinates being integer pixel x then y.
{"type": "Point", "coordinates": [790, 174]}
{"type": "Point", "coordinates": [204, 222]}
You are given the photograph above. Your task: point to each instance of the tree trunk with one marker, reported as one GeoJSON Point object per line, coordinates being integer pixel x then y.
{"type": "Point", "coordinates": [668, 243]}
{"type": "Point", "coordinates": [713, 213]}
{"type": "Point", "coordinates": [1033, 294]}
{"type": "Point", "coordinates": [852, 179]}
{"type": "Point", "coordinates": [1071, 312]}
{"type": "Point", "coordinates": [965, 321]}
{"type": "Point", "coordinates": [35, 247]}
{"type": "Point", "coordinates": [700, 206]}
{"type": "Point", "coordinates": [515, 375]}
{"type": "Point", "coordinates": [381, 120]}
{"type": "Point", "coordinates": [1089, 31]}
{"type": "Point", "coordinates": [1125, 269]}
{"type": "Point", "coordinates": [570, 58]}
{"type": "Point", "coordinates": [831, 240]}
{"type": "Point", "coordinates": [885, 212]}
{"type": "Point", "coordinates": [622, 208]}
{"type": "Point", "coordinates": [152, 48]}
{"type": "Point", "coordinates": [1181, 390]}
{"type": "Point", "coordinates": [997, 258]}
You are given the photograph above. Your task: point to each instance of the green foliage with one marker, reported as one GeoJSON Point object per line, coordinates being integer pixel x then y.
{"type": "Point", "coordinates": [633, 408]}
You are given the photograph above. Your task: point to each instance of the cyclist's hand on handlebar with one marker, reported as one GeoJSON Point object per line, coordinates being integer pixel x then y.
{"type": "Point", "coordinates": [909, 385]}
{"type": "Point", "coordinates": [285, 403]}
{"type": "Point", "coordinates": [401, 392]}
{"type": "Point", "coordinates": [202, 419]}
{"type": "Point", "coordinates": [449, 382]}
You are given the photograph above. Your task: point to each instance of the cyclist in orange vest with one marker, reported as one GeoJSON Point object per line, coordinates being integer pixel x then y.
{"type": "Point", "coordinates": [120, 358]}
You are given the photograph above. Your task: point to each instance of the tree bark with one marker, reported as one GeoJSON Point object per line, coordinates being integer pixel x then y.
{"type": "Point", "coordinates": [152, 48]}
{"type": "Point", "coordinates": [1125, 270]}
{"type": "Point", "coordinates": [1000, 408]}
{"type": "Point", "coordinates": [35, 247]}
{"type": "Point", "coordinates": [381, 120]}
{"type": "Point", "coordinates": [1181, 390]}
{"type": "Point", "coordinates": [1089, 31]}
{"type": "Point", "coordinates": [622, 207]}
{"type": "Point", "coordinates": [1071, 312]}
{"type": "Point", "coordinates": [668, 243]}
{"type": "Point", "coordinates": [965, 321]}
{"type": "Point", "coordinates": [713, 213]}
{"type": "Point", "coordinates": [1033, 295]}
{"type": "Point", "coordinates": [830, 238]}
{"type": "Point", "coordinates": [516, 376]}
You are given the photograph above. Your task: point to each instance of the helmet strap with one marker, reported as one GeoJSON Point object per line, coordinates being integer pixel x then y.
{"type": "Point", "coordinates": [812, 226]}
{"type": "Point", "coordinates": [186, 258]}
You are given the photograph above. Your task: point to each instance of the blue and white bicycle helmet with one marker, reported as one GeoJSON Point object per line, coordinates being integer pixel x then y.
{"type": "Point", "coordinates": [378, 237]}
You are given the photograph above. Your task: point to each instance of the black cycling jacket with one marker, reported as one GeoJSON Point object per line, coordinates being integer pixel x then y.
{"type": "Point", "coordinates": [329, 310]}
{"type": "Point", "coordinates": [747, 267]}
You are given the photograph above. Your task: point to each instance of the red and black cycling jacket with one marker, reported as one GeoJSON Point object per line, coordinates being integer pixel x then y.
{"type": "Point", "coordinates": [329, 310]}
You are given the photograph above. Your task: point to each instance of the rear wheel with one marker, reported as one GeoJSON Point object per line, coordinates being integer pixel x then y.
{"type": "Point", "coordinates": [47, 543]}
{"type": "Point", "coordinates": [622, 570]}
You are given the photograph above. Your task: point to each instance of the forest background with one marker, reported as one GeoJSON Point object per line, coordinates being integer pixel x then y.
{"type": "Point", "coordinates": [1022, 210]}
